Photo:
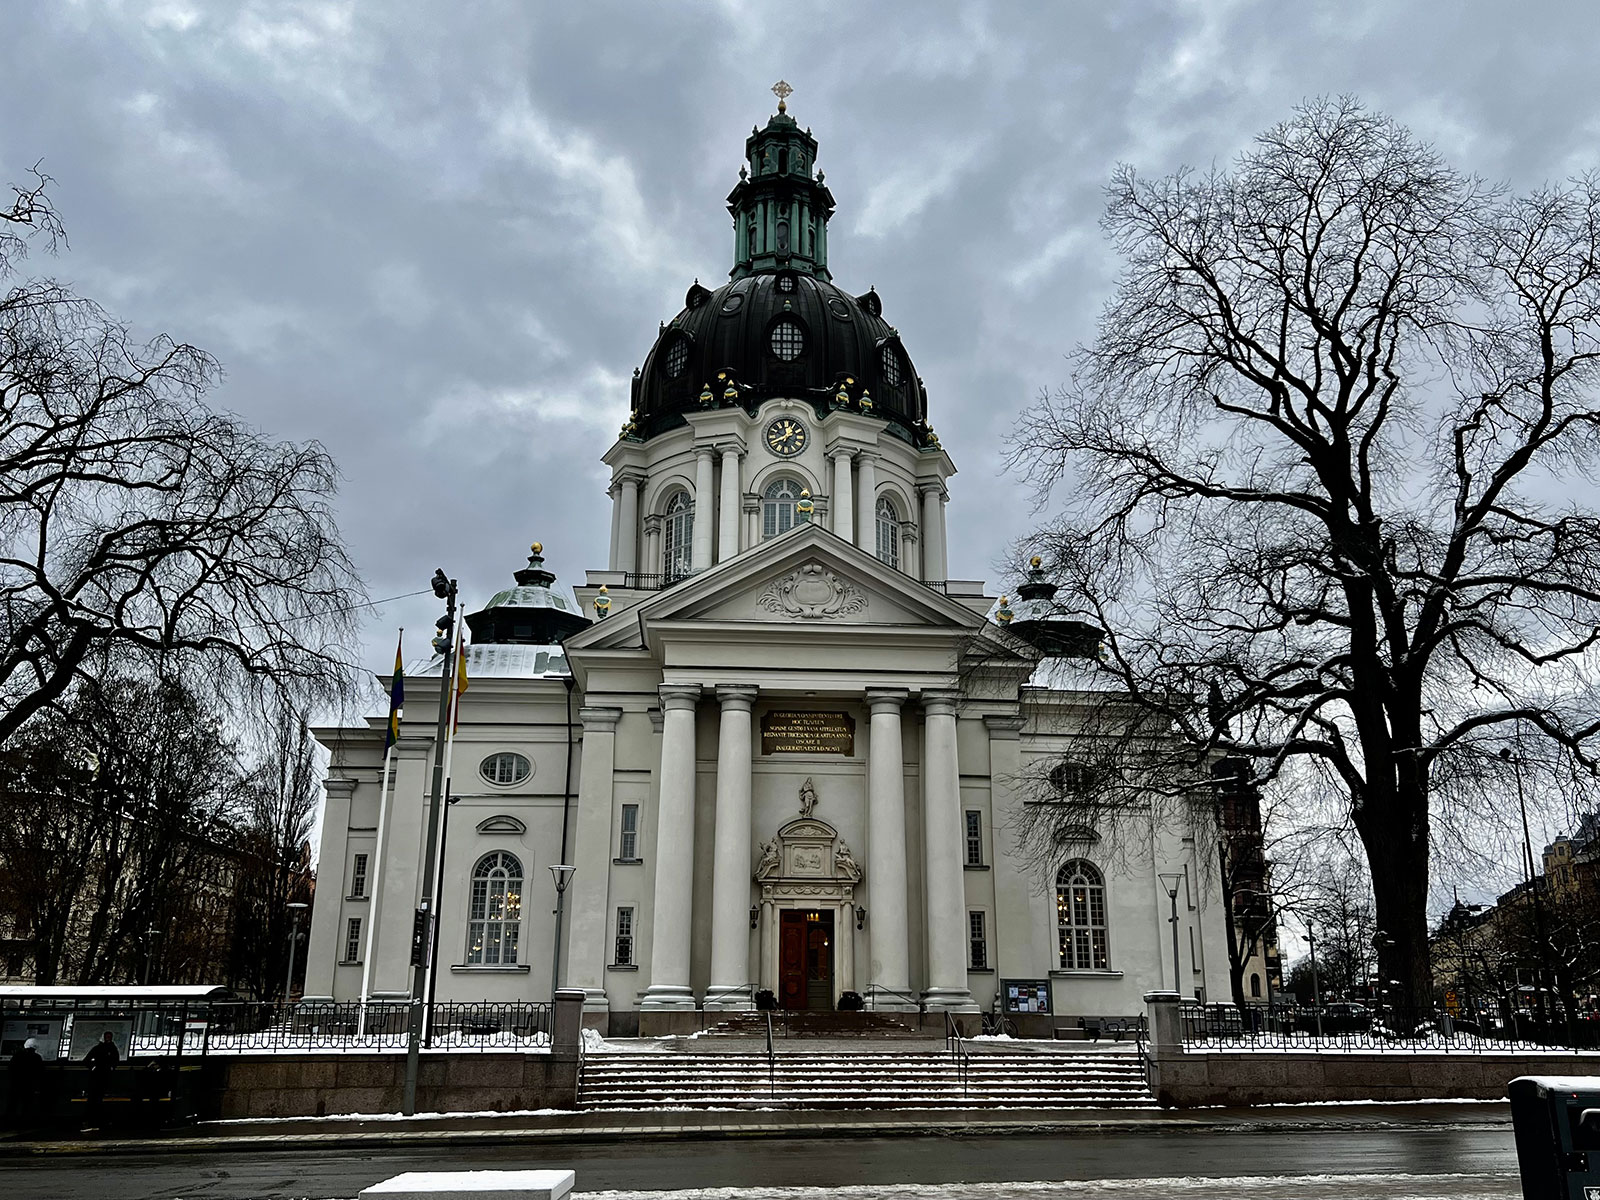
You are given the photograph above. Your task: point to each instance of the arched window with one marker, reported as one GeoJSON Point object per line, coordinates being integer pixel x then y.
{"type": "Point", "coordinates": [778, 507]}
{"type": "Point", "coordinates": [888, 533]}
{"type": "Point", "coordinates": [889, 366]}
{"type": "Point", "coordinates": [677, 530]}
{"type": "Point", "coordinates": [677, 357]}
{"type": "Point", "coordinates": [1255, 986]}
{"type": "Point", "coordinates": [494, 914]}
{"type": "Point", "coordinates": [1081, 917]}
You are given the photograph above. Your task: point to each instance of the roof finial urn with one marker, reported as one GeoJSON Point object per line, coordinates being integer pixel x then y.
{"type": "Point", "coordinates": [534, 574]}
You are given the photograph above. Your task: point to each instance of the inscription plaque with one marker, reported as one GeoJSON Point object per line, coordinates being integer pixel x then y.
{"type": "Point", "coordinates": [790, 732]}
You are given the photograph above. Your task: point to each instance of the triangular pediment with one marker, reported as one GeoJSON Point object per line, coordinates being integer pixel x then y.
{"type": "Point", "coordinates": [809, 577]}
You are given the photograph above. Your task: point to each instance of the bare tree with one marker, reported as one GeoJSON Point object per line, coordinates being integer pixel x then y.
{"type": "Point", "coordinates": [1319, 453]}
{"type": "Point", "coordinates": [131, 515]}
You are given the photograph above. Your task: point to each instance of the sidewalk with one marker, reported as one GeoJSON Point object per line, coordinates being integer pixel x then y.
{"type": "Point", "coordinates": [582, 1127]}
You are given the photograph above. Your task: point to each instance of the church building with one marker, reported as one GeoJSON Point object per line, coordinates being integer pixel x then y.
{"type": "Point", "coordinates": [779, 748]}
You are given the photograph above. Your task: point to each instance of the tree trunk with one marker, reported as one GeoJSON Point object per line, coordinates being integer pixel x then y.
{"type": "Point", "coordinates": [1396, 842]}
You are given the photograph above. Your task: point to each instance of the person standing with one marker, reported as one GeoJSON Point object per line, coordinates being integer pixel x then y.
{"type": "Point", "coordinates": [102, 1058]}
{"type": "Point", "coordinates": [27, 1074]}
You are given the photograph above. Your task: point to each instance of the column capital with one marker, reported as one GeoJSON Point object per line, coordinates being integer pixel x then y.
{"type": "Point", "coordinates": [679, 695]}
{"type": "Point", "coordinates": [838, 452]}
{"type": "Point", "coordinates": [599, 718]}
{"type": "Point", "coordinates": [630, 476]}
{"type": "Point", "coordinates": [705, 450]}
{"type": "Point", "coordinates": [886, 699]}
{"type": "Point", "coordinates": [1003, 728]}
{"type": "Point", "coordinates": [413, 747]}
{"type": "Point", "coordinates": [940, 702]}
{"type": "Point", "coordinates": [343, 788]}
{"type": "Point", "coordinates": [737, 697]}
{"type": "Point", "coordinates": [652, 523]}
{"type": "Point", "coordinates": [734, 448]}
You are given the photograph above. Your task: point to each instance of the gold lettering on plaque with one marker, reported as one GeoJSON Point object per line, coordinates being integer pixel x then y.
{"type": "Point", "coordinates": [789, 732]}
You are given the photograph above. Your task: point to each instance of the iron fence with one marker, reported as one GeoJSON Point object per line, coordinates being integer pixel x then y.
{"type": "Point", "coordinates": [245, 1027]}
{"type": "Point", "coordinates": [1359, 1027]}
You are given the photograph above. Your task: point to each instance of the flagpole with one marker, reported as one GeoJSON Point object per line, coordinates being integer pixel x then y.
{"type": "Point", "coordinates": [374, 906]}
{"type": "Point", "coordinates": [391, 737]}
{"type": "Point", "coordinates": [437, 899]}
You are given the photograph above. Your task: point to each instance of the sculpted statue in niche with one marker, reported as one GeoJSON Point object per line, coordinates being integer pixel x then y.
{"type": "Point", "coordinates": [769, 859]}
{"type": "Point", "coordinates": [844, 862]}
{"type": "Point", "coordinates": [808, 797]}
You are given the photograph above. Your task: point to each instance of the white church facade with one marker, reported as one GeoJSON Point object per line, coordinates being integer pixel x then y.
{"type": "Point", "coordinates": [781, 750]}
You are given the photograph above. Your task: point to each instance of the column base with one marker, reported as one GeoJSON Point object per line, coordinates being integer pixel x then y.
{"type": "Point", "coordinates": [946, 999]}
{"type": "Point", "coordinates": [883, 999]}
{"type": "Point", "coordinates": [667, 995]}
{"type": "Point", "coordinates": [728, 998]}
{"type": "Point", "coordinates": [594, 999]}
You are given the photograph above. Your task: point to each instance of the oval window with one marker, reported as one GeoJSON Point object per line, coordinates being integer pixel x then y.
{"type": "Point", "coordinates": [788, 340]}
{"type": "Point", "coordinates": [505, 768]}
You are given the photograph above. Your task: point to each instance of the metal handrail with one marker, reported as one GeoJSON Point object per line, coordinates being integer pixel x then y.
{"type": "Point", "coordinates": [772, 1061]}
{"type": "Point", "coordinates": [956, 1044]}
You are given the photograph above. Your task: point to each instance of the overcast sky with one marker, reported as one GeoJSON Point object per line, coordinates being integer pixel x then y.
{"type": "Point", "coordinates": [438, 238]}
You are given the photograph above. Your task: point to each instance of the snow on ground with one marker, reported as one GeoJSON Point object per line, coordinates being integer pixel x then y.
{"type": "Point", "coordinates": [388, 1116]}
{"type": "Point", "coordinates": [1282, 1187]}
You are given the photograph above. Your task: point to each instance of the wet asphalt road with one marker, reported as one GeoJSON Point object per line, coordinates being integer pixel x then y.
{"type": "Point", "coordinates": [1467, 1159]}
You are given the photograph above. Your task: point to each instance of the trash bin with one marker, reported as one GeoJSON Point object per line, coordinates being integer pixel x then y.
{"type": "Point", "coordinates": [1557, 1124]}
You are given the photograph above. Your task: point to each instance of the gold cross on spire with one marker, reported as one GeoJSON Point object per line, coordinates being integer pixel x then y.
{"type": "Point", "coordinates": [782, 91]}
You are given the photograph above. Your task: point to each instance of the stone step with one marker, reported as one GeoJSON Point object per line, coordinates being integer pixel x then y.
{"type": "Point", "coordinates": [942, 1100]}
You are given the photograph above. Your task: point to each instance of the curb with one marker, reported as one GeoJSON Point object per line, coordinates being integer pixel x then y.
{"type": "Point", "coordinates": [911, 1123]}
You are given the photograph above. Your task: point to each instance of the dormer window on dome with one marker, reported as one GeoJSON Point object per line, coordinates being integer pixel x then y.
{"type": "Point", "coordinates": [889, 367]}
{"type": "Point", "coordinates": [677, 357]}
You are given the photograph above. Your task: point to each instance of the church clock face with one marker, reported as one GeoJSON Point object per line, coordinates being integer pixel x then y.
{"type": "Point", "coordinates": [786, 437]}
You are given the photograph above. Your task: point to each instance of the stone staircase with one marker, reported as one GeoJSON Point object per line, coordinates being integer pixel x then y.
{"type": "Point", "coordinates": [883, 1079]}
{"type": "Point", "coordinates": [824, 1024]}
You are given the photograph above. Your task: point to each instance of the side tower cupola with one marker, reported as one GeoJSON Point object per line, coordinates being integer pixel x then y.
{"type": "Point", "coordinates": [780, 210]}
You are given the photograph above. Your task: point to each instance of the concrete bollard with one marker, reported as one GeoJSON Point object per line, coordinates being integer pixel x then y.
{"type": "Point", "coordinates": [1165, 1032]}
{"type": "Point", "coordinates": [566, 1026]}
{"type": "Point", "coordinates": [473, 1185]}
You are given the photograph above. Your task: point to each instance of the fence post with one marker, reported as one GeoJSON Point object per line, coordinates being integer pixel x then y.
{"type": "Point", "coordinates": [1166, 1042]}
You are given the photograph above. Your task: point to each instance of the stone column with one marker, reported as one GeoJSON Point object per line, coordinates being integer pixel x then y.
{"type": "Point", "coordinates": [943, 534]}
{"type": "Point", "coordinates": [843, 493]}
{"type": "Point", "coordinates": [705, 510]}
{"type": "Point", "coordinates": [323, 950]}
{"type": "Point", "coordinates": [1013, 920]}
{"type": "Point", "coordinates": [674, 899]}
{"type": "Point", "coordinates": [932, 541]}
{"type": "Point", "coordinates": [728, 517]}
{"type": "Point", "coordinates": [867, 510]}
{"type": "Point", "coordinates": [614, 491]}
{"type": "Point", "coordinates": [586, 945]}
{"type": "Point", "coordinates": [651, 563]}
{"type": "Point", "coordinates": [731, 870]}
{"type": "Point", "coordinates": [888, 930]}
{"type": "Point", "coordinates": [398, 886]}
{"type": "Point", "coordinates": [628, 524]}
{"type": "Point", "coordinates": [943, 874]}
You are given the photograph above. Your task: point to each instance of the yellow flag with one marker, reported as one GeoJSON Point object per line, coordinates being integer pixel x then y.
{"type": "Point", "coordinates": [461, 686]}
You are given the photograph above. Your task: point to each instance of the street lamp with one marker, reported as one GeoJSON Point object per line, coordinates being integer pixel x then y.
{"type": "Point", "coordinates": [422, 921]}
{"type": "Point", "coordinates": [1172, 883]}
{"type": "Point", "coordinates": [1316, 995]}
{"type": "Point", "coordinates": [295, 907]}
{"type": "Point", "coordinates": [1533, 884]}
{"type": "Point", "coordinates": [562, 874]}
{"type": "Point", "coordinates": [150, 938]}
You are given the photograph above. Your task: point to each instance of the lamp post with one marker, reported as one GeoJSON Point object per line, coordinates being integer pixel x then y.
{"type": "Point", "coordinates": [295, 908]}
{"type": "Point", "coordinates": [150, 938]}
{"type": "Point", "coordinates": [1171, 884]}
{"type": "Point", "coordinates": [1316, 994]}
{"type": "Point", "coordinates": [1533, 884]}
{"type": "Point", "coordinates": [562, 874]}
{"type": "Point", "coordinates": [422, 922]}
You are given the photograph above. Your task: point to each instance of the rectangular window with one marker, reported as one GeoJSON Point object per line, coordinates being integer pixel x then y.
{"type": "Point", "coordinates": [974, 839]}
{"type": "Point", "coordinates": [979, 955]}
{"type": "Point", "coordinates": [624, 956]}
{"type": "Point", "coordinates": [358, 877]}
{"type": "Point", "coordinates": [352, 937]}
{"type": "Point", "coordinates": [628, 842]}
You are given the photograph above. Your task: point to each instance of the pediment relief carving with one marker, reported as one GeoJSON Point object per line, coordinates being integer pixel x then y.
{"type": "Point", "coordinates": [807, 849]}
{"type": "Point", "coordinates": [811, 592]}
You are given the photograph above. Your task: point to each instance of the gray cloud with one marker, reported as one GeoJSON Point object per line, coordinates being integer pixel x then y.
{"type": "Point", "coordinates": [439, 238]}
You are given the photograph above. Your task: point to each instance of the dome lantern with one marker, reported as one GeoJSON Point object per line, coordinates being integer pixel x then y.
{"type": "Point", "coordinates": [780, 211]}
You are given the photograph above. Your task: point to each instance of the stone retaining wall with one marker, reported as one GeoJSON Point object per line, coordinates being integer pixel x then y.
{"type": "Point", "coordinates": [323, 1085]}
{"type": "Point", "coordinates": [1197, 1079]}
